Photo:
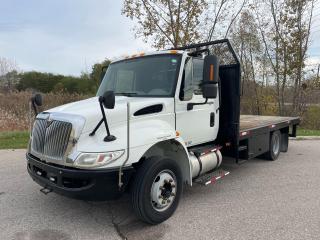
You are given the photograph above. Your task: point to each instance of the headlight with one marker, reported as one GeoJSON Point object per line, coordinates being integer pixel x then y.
{"type": "Point", "coordinates": [91, 160]}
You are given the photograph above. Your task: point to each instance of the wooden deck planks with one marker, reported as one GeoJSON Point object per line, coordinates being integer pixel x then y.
{"type": "Point", "coordinates": [248, 122]}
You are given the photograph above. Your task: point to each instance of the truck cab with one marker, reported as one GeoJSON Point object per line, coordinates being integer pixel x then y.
{"type": "Point", "coordinates": [159, 121]}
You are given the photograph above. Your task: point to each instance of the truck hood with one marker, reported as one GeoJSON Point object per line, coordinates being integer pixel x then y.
{"type": "Point", "coordinates": [145, 128]}
{"type": "Point", "coordinates": [89, 109]}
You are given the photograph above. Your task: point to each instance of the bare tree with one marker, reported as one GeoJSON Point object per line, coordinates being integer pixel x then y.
{"type": "Point", "coordinates": [285, 31]}
{"type": "Point", "coordinates": [221, 15]}
{"type": "Point", "coordinates": [302, 18]}
{"type": "Point", "coordinates": [247, 43]}
{"type": "Point", "coordinates": [8, 73]}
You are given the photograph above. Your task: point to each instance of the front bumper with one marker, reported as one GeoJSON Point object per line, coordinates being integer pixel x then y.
{"type": "Point", "coordinates": [78, 183]}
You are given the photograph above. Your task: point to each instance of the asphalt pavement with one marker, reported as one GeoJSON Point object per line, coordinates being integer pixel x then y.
{"type": "Point", "coordinates": [258, 200]}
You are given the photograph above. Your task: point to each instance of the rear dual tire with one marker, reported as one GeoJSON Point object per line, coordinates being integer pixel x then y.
{"type": "Point", "coordinates": [274, 146]}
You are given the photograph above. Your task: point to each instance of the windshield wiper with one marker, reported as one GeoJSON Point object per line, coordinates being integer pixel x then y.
{"type": "Point", "coordinates": [128, 94]}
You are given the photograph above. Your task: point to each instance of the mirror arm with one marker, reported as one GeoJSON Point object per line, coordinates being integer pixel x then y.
{"type": "Point", "coordinates": [34, 107]}
{"type": "Point", "coordinates": [190, 105]}
{"type": "Point", "coordinates": [96, 128]}
{"type": "Point", "coordinates": [109, 137]}
{"type": "Point", "coordinates": [104, 117]}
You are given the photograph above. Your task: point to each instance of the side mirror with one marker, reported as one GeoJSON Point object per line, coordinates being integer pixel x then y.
{"type": "Point", "coordinates": [210, 90]}
{"type": "Point", "coordinates": [37, 99]}
{"type": "Point", "coordinates": [108, 99]}
{"type": "Point", "coordinates": [210, 76]}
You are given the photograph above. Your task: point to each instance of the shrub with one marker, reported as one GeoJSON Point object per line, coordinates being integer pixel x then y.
{"type": "Point", "coordinates": [14, 107]}
{"type": "Point", "coordinates": [311, 119]}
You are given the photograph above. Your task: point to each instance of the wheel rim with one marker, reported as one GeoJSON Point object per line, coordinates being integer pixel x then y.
{"type": "Point", "coordinates": [276, 144]}
{"type": "Point", "coordinates": [163, 190]}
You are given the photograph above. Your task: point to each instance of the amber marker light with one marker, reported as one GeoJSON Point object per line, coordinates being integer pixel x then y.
{"type": "Point", "coordinates": [211, 72]}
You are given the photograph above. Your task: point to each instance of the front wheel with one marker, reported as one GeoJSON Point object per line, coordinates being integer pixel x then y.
{"type": "Point", "coordinates": [156, 190]}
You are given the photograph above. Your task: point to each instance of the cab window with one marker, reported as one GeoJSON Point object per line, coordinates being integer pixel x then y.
{"type": "Point", "coordinates": [125, 81]}
{"type": "Point", "coordinates": [197, 75]}
{"type": "Point", "coordinates": [191, 79]}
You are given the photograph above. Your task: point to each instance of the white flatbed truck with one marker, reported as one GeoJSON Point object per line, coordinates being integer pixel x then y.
{"type": "Point", "coordinates": [159, 121]}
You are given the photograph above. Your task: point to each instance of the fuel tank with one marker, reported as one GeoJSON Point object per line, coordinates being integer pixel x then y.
{"type": "Point", "coordinates": [205, 162]}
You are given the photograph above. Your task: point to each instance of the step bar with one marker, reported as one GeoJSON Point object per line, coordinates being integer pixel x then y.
{"type": "Point", "coordinates": [212, 177]}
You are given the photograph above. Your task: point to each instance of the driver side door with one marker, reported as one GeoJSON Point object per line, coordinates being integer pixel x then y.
{"type": "Point", "coordinates": [200, 124]}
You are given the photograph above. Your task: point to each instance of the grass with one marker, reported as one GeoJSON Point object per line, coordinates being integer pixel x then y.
{"type": "Point", "coordinates": [305, 132]}
{"type": "Point", "coordinates": [14, 140]}
{"type": "Point", "coordinates": [17, 139]}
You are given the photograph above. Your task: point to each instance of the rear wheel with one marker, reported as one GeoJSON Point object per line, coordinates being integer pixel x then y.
{"type": "Point", "coordinates": [156, 190]}
{"type": "Point", "coordinates": [274, 146]}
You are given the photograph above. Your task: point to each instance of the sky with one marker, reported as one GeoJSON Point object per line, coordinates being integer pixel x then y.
{"type": "Point", "coordinates": [69, 36]}
{"type": "Point", "coordinates": [64, 36]}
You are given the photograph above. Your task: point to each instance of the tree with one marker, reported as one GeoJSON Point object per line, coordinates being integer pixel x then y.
{"type": "Point", "coordinates": [48, 82]}
{"type": "Point", "coordinates": [247, 43]}
{"type": "Point", "coordinates": [221, 15]}
{"type": "Point", "coordinates": [8, 73]}
{"type": "Point", "coordinates": [98, 70]}
{"type": "Point", "coordinates": [43, 82]}
{"type": "Point", "coordinates": [166, 22]}
{"type": "Point", "coordinates": [87, 83]}
{"type": "Point", "coordinates": [299, 15]}
{"type": "Point", "coordinates": [285, 34]}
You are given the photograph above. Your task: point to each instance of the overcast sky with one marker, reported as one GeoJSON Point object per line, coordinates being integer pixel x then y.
{"type": "Point", "coordinates": [68, 36]}
{"type": "Point", "coordinates": [64, 36]}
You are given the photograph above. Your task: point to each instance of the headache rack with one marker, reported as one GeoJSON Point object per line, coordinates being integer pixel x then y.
{"type": "Point", "coordinates": [229, 84]}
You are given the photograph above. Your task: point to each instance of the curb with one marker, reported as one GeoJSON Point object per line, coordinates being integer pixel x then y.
{"type": "Point", "coordinates": [298, 138]}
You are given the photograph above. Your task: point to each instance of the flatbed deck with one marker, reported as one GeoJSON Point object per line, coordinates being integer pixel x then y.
{"type": "Point", "coordinates": [255, 132]}
{"type": "Point", "coordinates": [252, 122]}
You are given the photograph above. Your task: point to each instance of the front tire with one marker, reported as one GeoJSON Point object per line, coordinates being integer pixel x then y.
{"type": "Point", "coordinates": [156, 190]}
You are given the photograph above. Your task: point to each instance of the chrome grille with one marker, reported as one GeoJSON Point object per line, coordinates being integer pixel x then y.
{"type": "Point", "coordinates": [50, 139]}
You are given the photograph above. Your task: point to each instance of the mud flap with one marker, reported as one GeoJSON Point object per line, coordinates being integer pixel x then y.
{"type": "Point", "coordinates": [284, 142]}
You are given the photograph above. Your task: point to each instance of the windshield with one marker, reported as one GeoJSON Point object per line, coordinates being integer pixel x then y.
{"type": "Point", "coordinates": [147, 76]}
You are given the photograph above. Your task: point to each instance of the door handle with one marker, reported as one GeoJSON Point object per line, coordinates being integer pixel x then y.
{"type": "Point", "coordinates": [190, 105]}
{"type": "Point", "coordinates": [212, 119]}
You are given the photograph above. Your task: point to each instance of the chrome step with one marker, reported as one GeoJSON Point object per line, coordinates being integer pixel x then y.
{"type": "Point", "coordinates": [242, 148]}
{"type": "Point", "coordinates": [212, 177]}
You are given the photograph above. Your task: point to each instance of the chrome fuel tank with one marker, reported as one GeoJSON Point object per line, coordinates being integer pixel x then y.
{"type": "Point", "coordinates": [205, 162]}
